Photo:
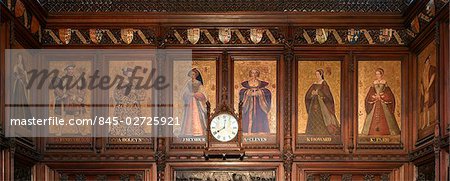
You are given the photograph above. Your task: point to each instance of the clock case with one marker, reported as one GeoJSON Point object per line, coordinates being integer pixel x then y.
{"type": "Point", "coordinates": [223, 150]}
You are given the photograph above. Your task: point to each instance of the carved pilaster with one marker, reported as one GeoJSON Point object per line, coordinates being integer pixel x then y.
{"type": "Point", "coordinates": [351, 71]}
{"type": "Point", "coordinates": [437, 150]}
{"type": "Point", "coordinates": [160, 156]}
{"type": "Point", "coordinates": [437, 128]}
{"type": "Point", "coordinates": [225, 72]}
{"type": "Point", "coordinates": [288, 155]}
{"type": "Point", "coordinates": [12, 35]}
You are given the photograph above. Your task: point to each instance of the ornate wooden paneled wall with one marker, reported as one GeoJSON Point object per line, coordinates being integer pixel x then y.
{"type": "Point", "coordinates": [288, 38]}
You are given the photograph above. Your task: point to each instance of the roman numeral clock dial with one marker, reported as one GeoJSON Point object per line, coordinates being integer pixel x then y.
{"type": "Point", "coordinates": [224, 127]}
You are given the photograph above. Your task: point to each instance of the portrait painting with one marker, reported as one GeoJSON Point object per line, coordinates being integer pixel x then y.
{"type": "Point", "coordinates": [70, 102]}
{"type": "Point", "coordinates": [427, 94]}
{"type": "Point", "coordinates": [20, 96]}
{"type": "Point", "coordinates": [194, 83]}
{"type": "Point", "coordinates": [318, 102]}
{"type": "Point", "coordinates": [129, 104]}
{"type": "Point", "coordinates": [379, 101]}
{"type": "Point", "coordinates": [255, 85]}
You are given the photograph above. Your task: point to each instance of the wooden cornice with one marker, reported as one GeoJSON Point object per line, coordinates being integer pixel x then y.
{"type": "Point", "coordinates": [304, 19]}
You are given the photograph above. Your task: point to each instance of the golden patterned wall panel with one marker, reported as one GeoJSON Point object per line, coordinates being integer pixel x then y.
{"type": "Point", "coordinates": [132, 104]}
{"type": "Point", "coordinates": [255, 84]}
{"type": "Point", "coordinates": [379, 101]}
{"type": "Point", "coordinates": [427, 94]}
{"type": "Point", "coordinates": [194, 83]}
{"type": "Point", "coordinates": [318, 101]}
{"type": "Point", "coordinates": [70, 103]}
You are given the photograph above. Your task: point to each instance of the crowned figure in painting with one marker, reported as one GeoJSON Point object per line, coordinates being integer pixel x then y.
{"type": "Point", "coordinates": [320, 108]}
{"type": "Point", "coordinates": [380, 109]}
{"type": "Point", "coordinates": [194, 100]}
{"type": "Point", "coordinates": [256, 101]}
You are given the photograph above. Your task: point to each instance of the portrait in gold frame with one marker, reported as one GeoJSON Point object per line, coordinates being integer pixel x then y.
{"type": "Point", "coordinates": [379, 102]}
{"type": "Point", "coordinates": [199, 79]}
{"type": "Point", "coordinates": [80, 98]}
{"type": "Point", "coordinates": [319, 102]}
{"type": "Point", "coordinates": [136, 103]}
{"type": "Point", "coordinates": [255, 84]}
{"type": "Point", "coordinates": [427, 94]}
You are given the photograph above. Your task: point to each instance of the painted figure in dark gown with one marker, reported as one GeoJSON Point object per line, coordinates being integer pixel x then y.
{"type": "Point", "coordinates": [21, 95]}
{"type": "Point", "coordinates": [320, 107]}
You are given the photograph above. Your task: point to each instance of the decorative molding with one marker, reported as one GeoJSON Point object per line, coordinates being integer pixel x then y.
{"type": "Point", "coordinates": [272, 36]}
{"type": "Point", "coordinates": [426, 150]}
{"type": "Point", "coordinates": [183, 175]}
{"type": "Point", "coordinates": [334, 6]}
{"type": "Point", "coordinates": [354, 157]}
{"type": "Point", "coordinates": [23, 12]}
{"type": "Point", "coordinates": [99, 36]}
{"type": "Point", "coordinates": [28, 152]}
{"type": "Point", "coordinates": [347, 175]}
{"type": "Point", "coordinates": [351, 36]}
{"type": "Point", "coordinates": [380, 147]}
{"type": "Point", "coordinates": [199, 157]}
{"type": "Point", "coordinates": [101, 175]}
{"type": "Point", "coordinates": [96, 157]}
{"type": "Point", "coordinates": [211, 36]}
{"type": "Point", "coordinates": [319, 147]}
{"type": "Point", "coordinates": [424, 18]}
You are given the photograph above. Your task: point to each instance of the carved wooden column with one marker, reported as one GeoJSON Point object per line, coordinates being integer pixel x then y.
{"type": "Point", "coordinates": [160, 156]}
{"type": "Point", "coordinates": [351, 125]}
{"type": "Point", "coordinates": [9, 159]}
{"type": "Point", "coordinates": [225, 75]}
{"type": "Point", "coordinates": [437, 128]}
{"type": "Point", "coordinates": [288, 155]}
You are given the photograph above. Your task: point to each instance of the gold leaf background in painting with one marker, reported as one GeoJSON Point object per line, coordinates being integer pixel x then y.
{"type": "Point", "coordinates": [115, 69]}
{"type": "Point", "coordinates": [429, 50]}
{"type": "Point", "coordinates": [268, 73]}
{"type": "Point", "coordinates": [366, 76]}
{"type": "Point", "coordinates": [307, 76]}
{"type": "Point", "coordinates": [80, 66]}
{"type": "Point", "coordinates": [180, 69]}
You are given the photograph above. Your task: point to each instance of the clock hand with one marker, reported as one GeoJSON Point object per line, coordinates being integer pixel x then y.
{"type": "Point", "coordinates": [219, 130]}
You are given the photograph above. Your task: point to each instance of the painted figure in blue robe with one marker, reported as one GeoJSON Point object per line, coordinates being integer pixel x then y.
{"type": "Point", "coordinates": [256, 100]}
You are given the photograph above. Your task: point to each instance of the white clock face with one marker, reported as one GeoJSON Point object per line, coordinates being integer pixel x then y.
{"type": "Point", "coordinates": [224, 127]}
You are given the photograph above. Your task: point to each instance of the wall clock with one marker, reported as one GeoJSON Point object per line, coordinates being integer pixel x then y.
{"type": "Point", "coordinates": [224, 127]}
{"type": "Point", "coordinates": [224, 132]}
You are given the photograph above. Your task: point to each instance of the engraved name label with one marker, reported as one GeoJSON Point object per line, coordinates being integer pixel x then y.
{"type": "Point", "coordinates": [193, 140]}
{"type": "Point", "coordinates": [255, 139]}
{"type": "Point", "coordinates": [380, 140]}
{"type": "Point", "coordinates": [132, 140]}
{"type": "Point", "coordinates": [318, 139]}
